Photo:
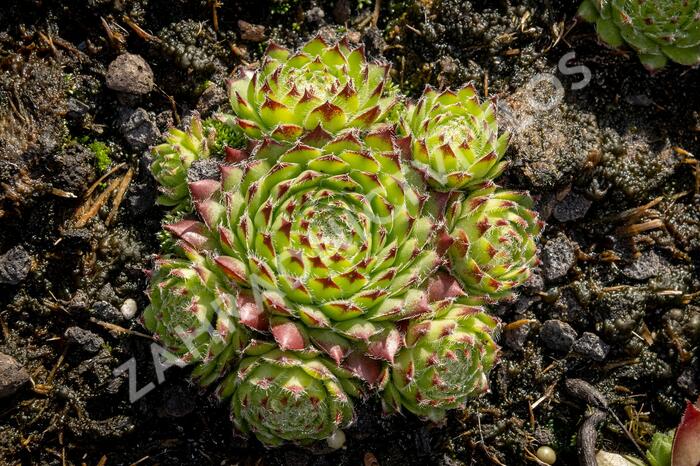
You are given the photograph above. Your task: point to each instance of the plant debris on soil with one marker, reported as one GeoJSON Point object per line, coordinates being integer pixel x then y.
{"type": "Point", "coordinates": [86, 87]}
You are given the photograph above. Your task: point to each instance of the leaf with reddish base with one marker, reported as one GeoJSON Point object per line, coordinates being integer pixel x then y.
{"type": "Point", "coordinates": [364, 368]}
{"type": "Point", "coordinates": [386, 345]}
{"type": "Point", "coordinates": [234, 155]}
{"type": "Point", "coordinates": [203, 189]}
{"type": "Point", "coordinates": [288, 335]}
{"type": "Point", "coordinates": [250, 314]}
{"type": "Point", "coordinates": [686, 443]}
{"type": "Point", "coordinates": [444, 286]}
{"type": "Point", "coordinates": [191, 231]}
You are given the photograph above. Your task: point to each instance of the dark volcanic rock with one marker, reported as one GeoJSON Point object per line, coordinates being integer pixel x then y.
{"type": "Point", "coordinates": [558, 335]}
{"type": "Point", "coordinates": [138, 128]}
{"type": "Point", "coordinates": [213, 97]}
{"type": "Point", "coordinates": [74, 169]}
{"type": "Point", "coordinates": [14, 266]}
{"type": "Point", "coordinates": [573, 207]}
{"type": "Point", "coordinates": [178, 401]}
{"type": "Point", "coordinates": [203, 169]}
{"type": "Point", "coordinates": [104, 311]}
{"type": "Point", "coordinates": [516, 337]}
{"type": "Point", "coordinates": [251, 32]}
{"type": "Point", "coordinates": [12, 375]}
{"type": "Point", "coordinates": [591, 346]}
{"type": "Point", "coordinates": [87, 340]}
{"type": "Point", "coordinates": [130, 74]}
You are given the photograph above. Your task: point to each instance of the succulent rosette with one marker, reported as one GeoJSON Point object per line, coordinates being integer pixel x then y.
{"type": "Point", "coordinates": [194, 315]}
{"type": "Point", "coordinates": [332, 86]}
{"type": "Point", "coordinates": [331, 234]}
{"type": "Point", "coordinates": [658, 30]}
{"type": "Point", "coordinates": [453, 138]}
{"type": "Point", "coordinates": [173, 158]}
{"type": "Point", "coordinates": [445, 361]}
{"type": "Point", "coordinates": [289, 396]}
{"type": "Point", "coordinates": [322, 261]}
{"type": "Point", "coordinates": [491, 243]}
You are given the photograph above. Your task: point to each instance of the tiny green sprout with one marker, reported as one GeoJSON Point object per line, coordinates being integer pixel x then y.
{"type": "Point", "coordinates": [102, 154]}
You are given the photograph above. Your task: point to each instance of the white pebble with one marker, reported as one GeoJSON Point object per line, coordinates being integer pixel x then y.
{"type": "Point", "coordinates": [129, 308]}
{"type": "Point", "coordinates": [336, 440]}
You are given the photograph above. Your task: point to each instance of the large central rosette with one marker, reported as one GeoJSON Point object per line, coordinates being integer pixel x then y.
{"type": "Point", "coordinates": [335, 237]}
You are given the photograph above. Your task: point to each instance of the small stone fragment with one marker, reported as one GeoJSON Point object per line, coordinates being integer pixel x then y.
{"type": "Point", "coordinates": [315, 15]}
{"type": "Point", "coordinates": [591, 346]}
{"type": "Point", "coordinates": [558, 335]}
{"type": "Point", "coordinates": [204, 169]}
{"type": "Point", "coordinates": [139, 129]}
{"type": "Point", "coordinates": [251, 32]}
{"type": "Point", "coordinates": [515, 337]}
{"type": "Point", "coordinates": [87, 340]}
{"type": "Point", "coordinates": [12, 375]}
{"type": "Point", "coordinates": [105, 312]}
{"type": "Point", "coordinates": [178, 402]}
{"type": "Point", "coordinates": [558, 256]}
{"type": "Point", "coordinates": [129, 309]}
{"type": "Point", "coordinates": [647, 265]}
{"type": "Point", "coordinates": [573, 207]}
{"type": "Point", "coordinates": [130, 74]}
{"type": "Point", "coordinates": [210, 100]}
{"type": "Point", "coordinates": [14, 266]}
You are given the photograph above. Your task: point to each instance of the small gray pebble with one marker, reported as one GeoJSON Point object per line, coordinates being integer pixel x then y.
{"type": "Point", "coordinates": [558, 256]}
{"type": "Point", "coordinates": [105, 312]}
{"type": "Point", "coordinates": [14, 266]}
{"type": "Point", "coordinates": [573, 207]}
{"type": "Point", "coordinates": [130, 74]}
{"type": "Point", "coordinates": [647, 265]}
{"type": "Point", "coordinates": [516, 338]}
{"type": "Point", "coordinates": [138, 127]}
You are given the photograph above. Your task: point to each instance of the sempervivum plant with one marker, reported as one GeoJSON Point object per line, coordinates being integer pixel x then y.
{"type": "Point", "coordinates": [492, 240]}
{"type": "Point", "coordinates": [341, 253]}
{"type": "Point", "coordinates": [333, 86]}
{"type": "Point", "coordinates": [453, 138]}
{"type": "Point", "coordinates": [334, 236]}
{"type": "Point", "coordinates": [173, 158]}
{"type": "Point", "coordinates": [658, 30]}
{"type": "Point", "coordinates": [192, 315]}
{"type": "Point", "coordinates": [445, 361]}
{"type": "Point", "coordinates": [297, 396]}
